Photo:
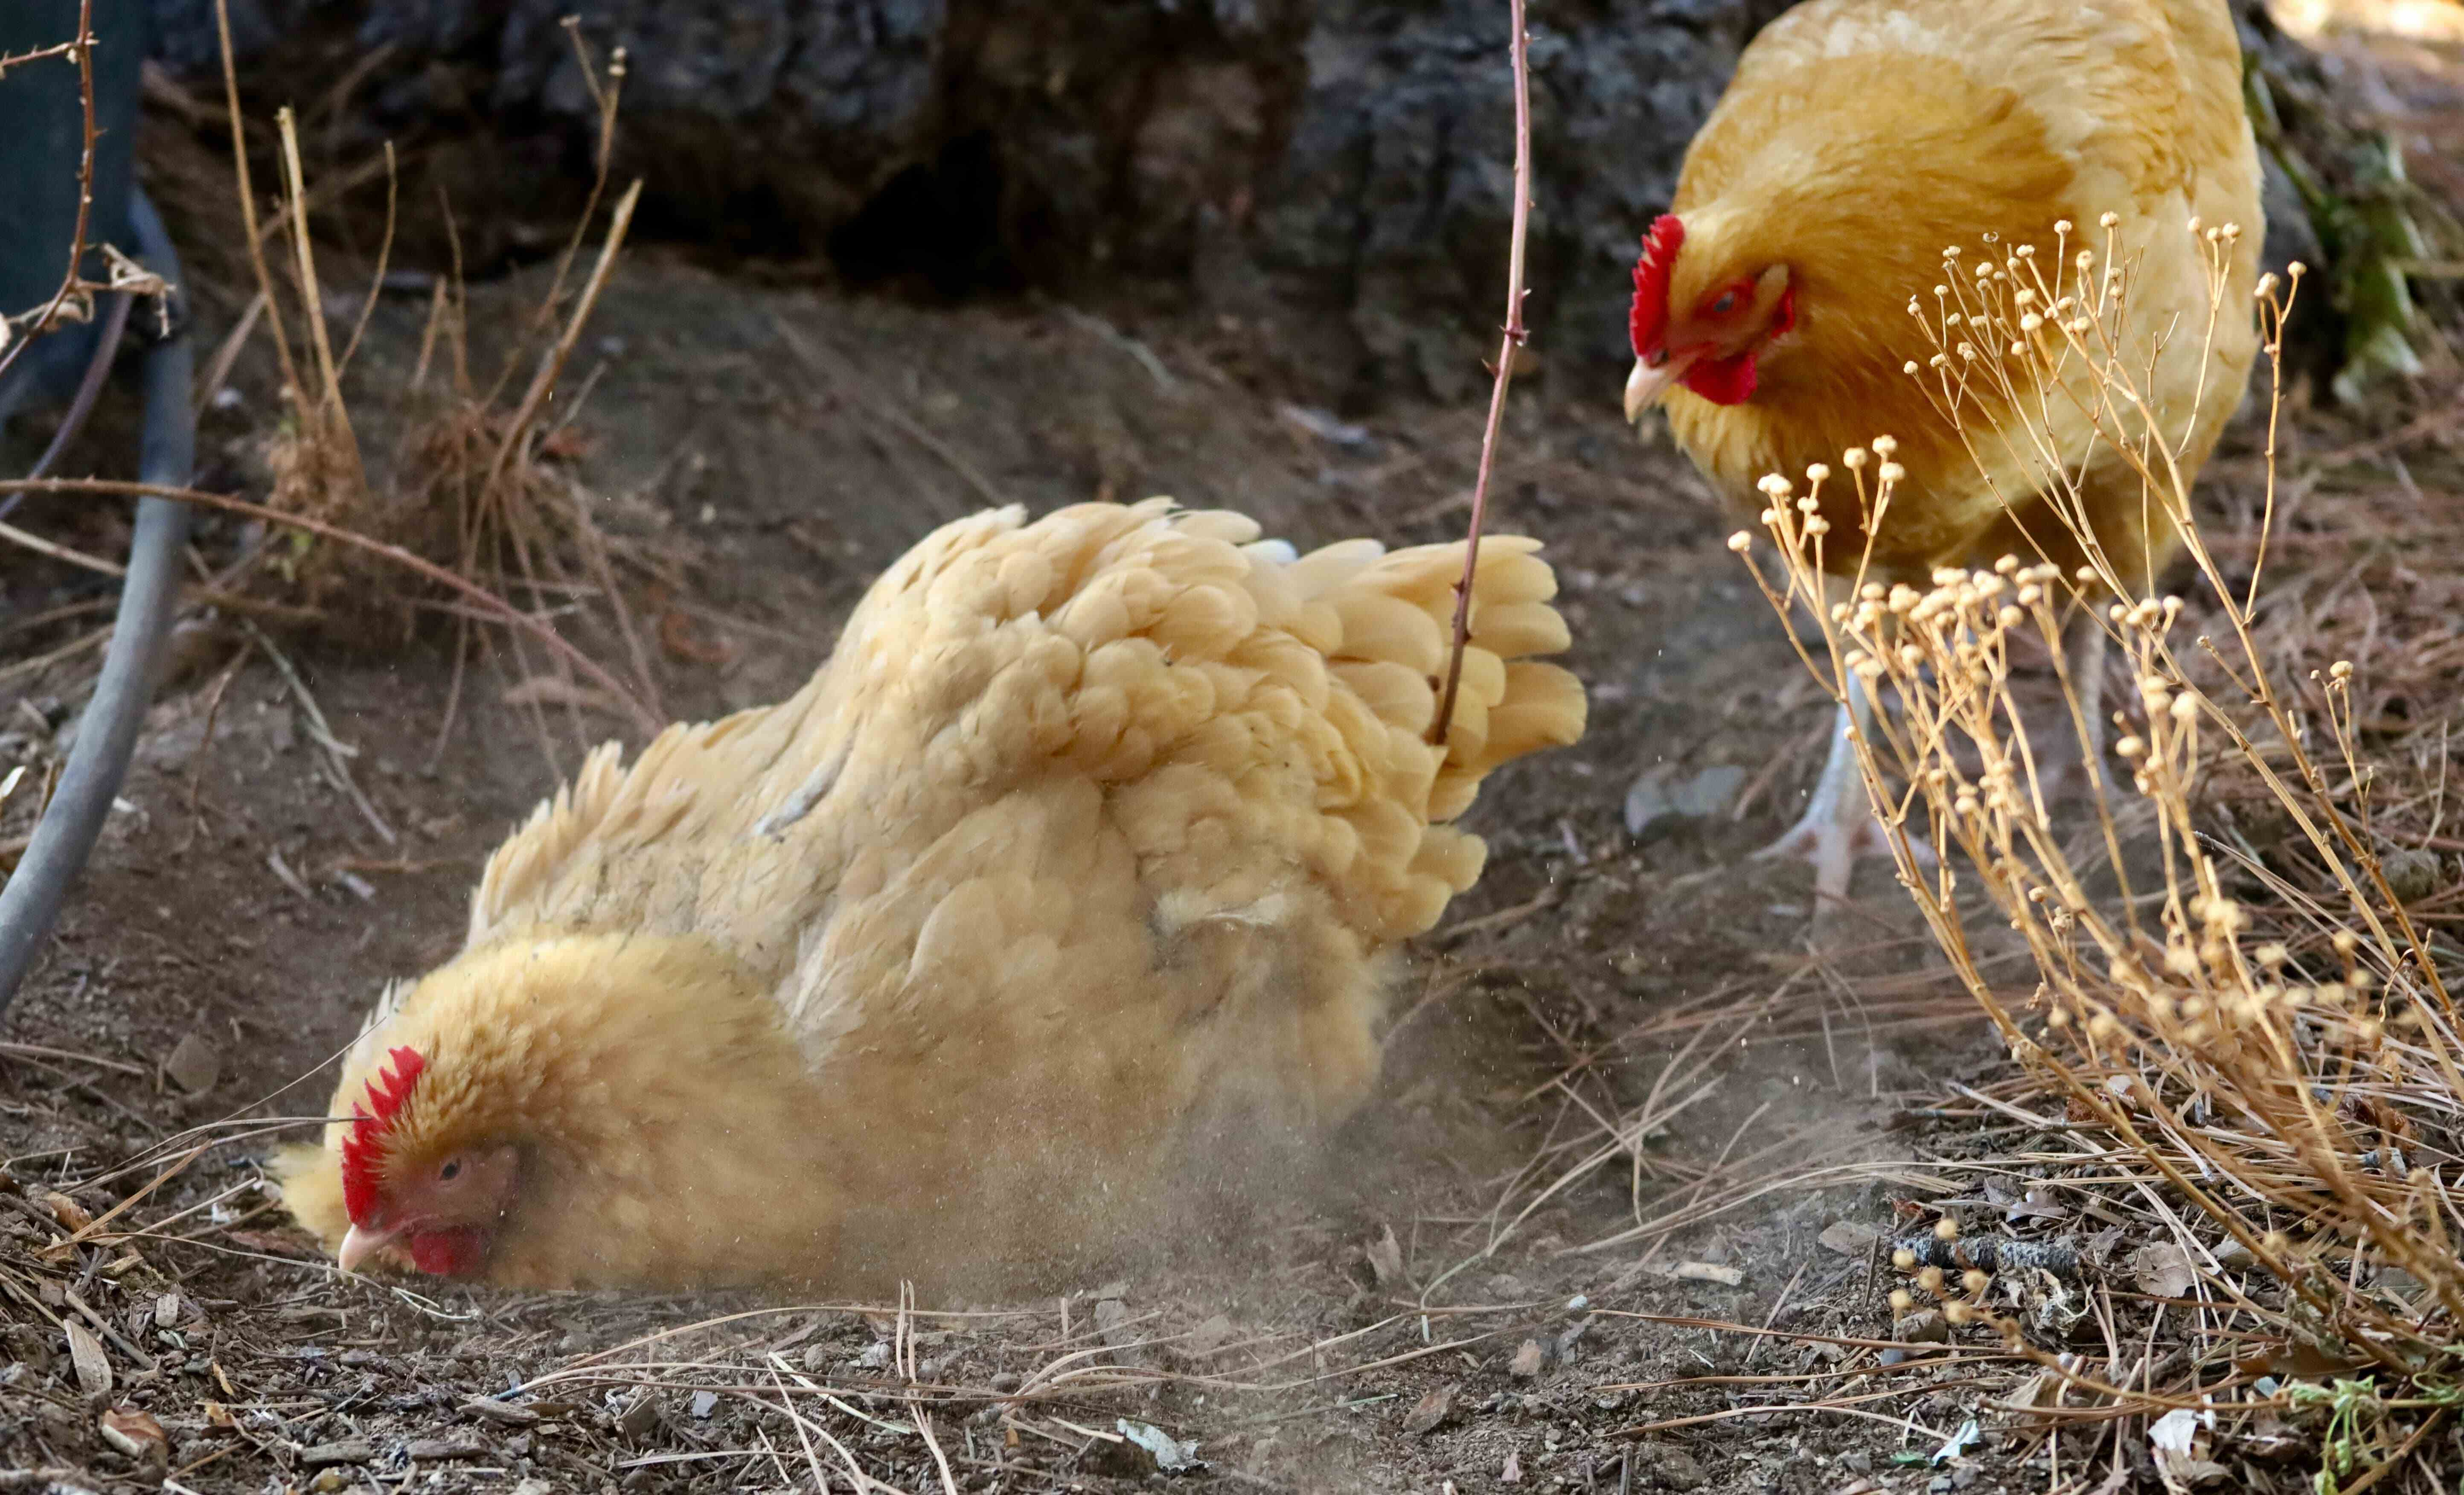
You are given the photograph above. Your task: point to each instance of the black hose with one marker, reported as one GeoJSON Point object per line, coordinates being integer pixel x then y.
{"type": "Point", "coordinates": [148, 597]}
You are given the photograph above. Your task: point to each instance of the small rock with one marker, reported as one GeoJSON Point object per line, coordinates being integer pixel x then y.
{"type": "Point", "coordinates": [534, 1487]}
{"type": "Point", "coordinates": [1672, 1466]}
{"type": "Point", "coordinates": [1656, 801]}
{"type": "Point", "coordinates": [1205, 1339]}
{"type": "Point", "coordinates": [1512, 1473]}
{"type": "Point", "coordinates": [1324, 425]}
{"type": "Point", "coordinates": [704, 1404]}
{"type": "Point", "coordinates": [2412, 873]}
{"type": "Point", "coordinates": [1432, 1409]}
{"type": "Point", "coordinates": [640, 1417]}
{"type": "Point", "coordinates": [194, 1063]}
{"type": "Point", "coordinates": [434, 1448]}
{"type": "Point", "coordinates": [1849, 1237]}
{"type": "Point", "coordinates": [330, 1481]}
{"type": "Point", "coordinates": [1007, 1381]}
{"type": "Point", "coordinates": [1113, 1323]}
{"type": "Point", "coordinates": [349, 1450]}
{"type": "Point", "coordinates": [166, 1310]}
{"type": "Point", "coordinates": [1924, 1327]}
{"type": "Point", "coordinates": [1530, 1360]}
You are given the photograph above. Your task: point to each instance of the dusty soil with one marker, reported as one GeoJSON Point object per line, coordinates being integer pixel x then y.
{"type": "Point", "coordinates": [243, 898]}
{"type": "Point", "coordinates": [1615, 1214]}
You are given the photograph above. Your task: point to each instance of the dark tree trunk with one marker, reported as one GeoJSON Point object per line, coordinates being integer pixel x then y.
{"type": "Point", "coordinates": [1341, 168]}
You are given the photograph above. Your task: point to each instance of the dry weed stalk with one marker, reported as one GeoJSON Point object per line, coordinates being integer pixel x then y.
{"type": "Point", "coordinates": [472, 491]}
{"type": "Point", "coordinates": [72, 300]}
{"type": "Point", "coordinates": [521, 522]}
{"type": "Point", "coordinates": [1511, 338]}
{"type": "Point", "coordinates": [2282, 1061]}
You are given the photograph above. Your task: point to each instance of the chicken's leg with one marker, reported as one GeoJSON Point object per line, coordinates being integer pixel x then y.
{"type": "Point", "coordinates": [1838, 824]}
{"type": "Point", "coordinates": [2084, 648]}
{"type": "Point", "coordinates": [2089, 651]}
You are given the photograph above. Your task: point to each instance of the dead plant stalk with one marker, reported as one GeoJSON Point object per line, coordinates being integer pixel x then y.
{"type": "Point", "coordinates": [73, 279]}
{"type": "Point", "coordinates": [2249, 1050]}
{"type": "Point", "coordinates": [1512, 339]}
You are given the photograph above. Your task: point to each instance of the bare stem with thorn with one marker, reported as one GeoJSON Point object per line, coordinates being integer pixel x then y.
{"type": "Point", "coordinates": [1513, 339]}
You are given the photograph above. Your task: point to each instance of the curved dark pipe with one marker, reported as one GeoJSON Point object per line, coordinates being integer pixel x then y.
{"type": "Point", "coordinates": [148, 597]}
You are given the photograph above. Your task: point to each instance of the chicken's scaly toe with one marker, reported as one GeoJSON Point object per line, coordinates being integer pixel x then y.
{"type": "Point", "coordinates": [1838, 825]}
{"type": "Point", "coordinates": [1833, 842]}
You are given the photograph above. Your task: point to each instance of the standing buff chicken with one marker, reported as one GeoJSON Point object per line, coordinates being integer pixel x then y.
{"type": "Point", "coordinates": [1081, 862]}
{"type": "Point", "coordinates": [1859, 140]}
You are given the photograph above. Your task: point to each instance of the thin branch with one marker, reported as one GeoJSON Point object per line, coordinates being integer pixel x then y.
{"type": "Point", "coordinates": [82, 49]}
{"type": "Point", "coordinates": [1512, 339]}
{"type": "Point", "coordinates": [556, 642]}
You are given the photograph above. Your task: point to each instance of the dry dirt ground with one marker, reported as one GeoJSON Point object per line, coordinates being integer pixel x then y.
{"type": "Point", "coordinates": [242, 898]}
{"type": "Point", "coordinates": [1613, 1216]}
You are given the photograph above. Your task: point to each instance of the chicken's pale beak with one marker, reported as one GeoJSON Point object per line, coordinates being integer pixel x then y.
{"type": "Point", "coordinates": [359, 1244]}
{"type": "Point", "coordinates": [1649, 384]}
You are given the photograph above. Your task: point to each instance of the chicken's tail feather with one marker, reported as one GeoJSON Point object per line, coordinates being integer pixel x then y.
{"type": "Point", "coordinates": [1233, 694]}
{"type": "Point", "coordinates": [1397, 621]}
{"type": "Point", "coordinates": [1218, 667]}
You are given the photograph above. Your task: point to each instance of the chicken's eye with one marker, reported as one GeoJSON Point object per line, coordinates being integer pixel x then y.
{"type": "Point", "coordinates": [451, 1171]}
{"type": "Point", "coordinates": [1726, 303]}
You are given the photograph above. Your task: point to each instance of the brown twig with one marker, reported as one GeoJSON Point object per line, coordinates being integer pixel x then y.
{"type": "Point", "coordinates": [1512, 339]}
{"type": "Point", "coordinates": [556, 642]}
{"type": "Point", "coordinates": [83, 50]}
{"type": "Point", "coordinates": [246, 195]}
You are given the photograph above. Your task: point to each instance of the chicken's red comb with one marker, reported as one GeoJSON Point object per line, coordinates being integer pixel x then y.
{"type": "Point", "coordinates": [1648, 321]}
{"type": "Point", "coordinates": [364, 1149]}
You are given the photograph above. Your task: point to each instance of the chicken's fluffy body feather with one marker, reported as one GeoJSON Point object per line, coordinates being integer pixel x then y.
{"type": "Point", "coordinates": [1862, 138]}
{"type": "Point", "coordinates": [1091, 835]}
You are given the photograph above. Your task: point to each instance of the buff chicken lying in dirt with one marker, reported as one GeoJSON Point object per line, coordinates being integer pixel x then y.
{"type": "Point", "coordinates": [1859, 141]}
{"type": "Point", "coordinates": [1078, 866]}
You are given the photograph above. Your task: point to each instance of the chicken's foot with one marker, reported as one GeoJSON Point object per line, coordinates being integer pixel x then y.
{"type": "Point", "coordinates": [1838, 824]}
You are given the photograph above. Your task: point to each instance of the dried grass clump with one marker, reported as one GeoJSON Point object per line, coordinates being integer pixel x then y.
{"type": "Point", "coordinates": [474, 485]}
{"type": "Point", "coordinates": [2267, 1043]}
